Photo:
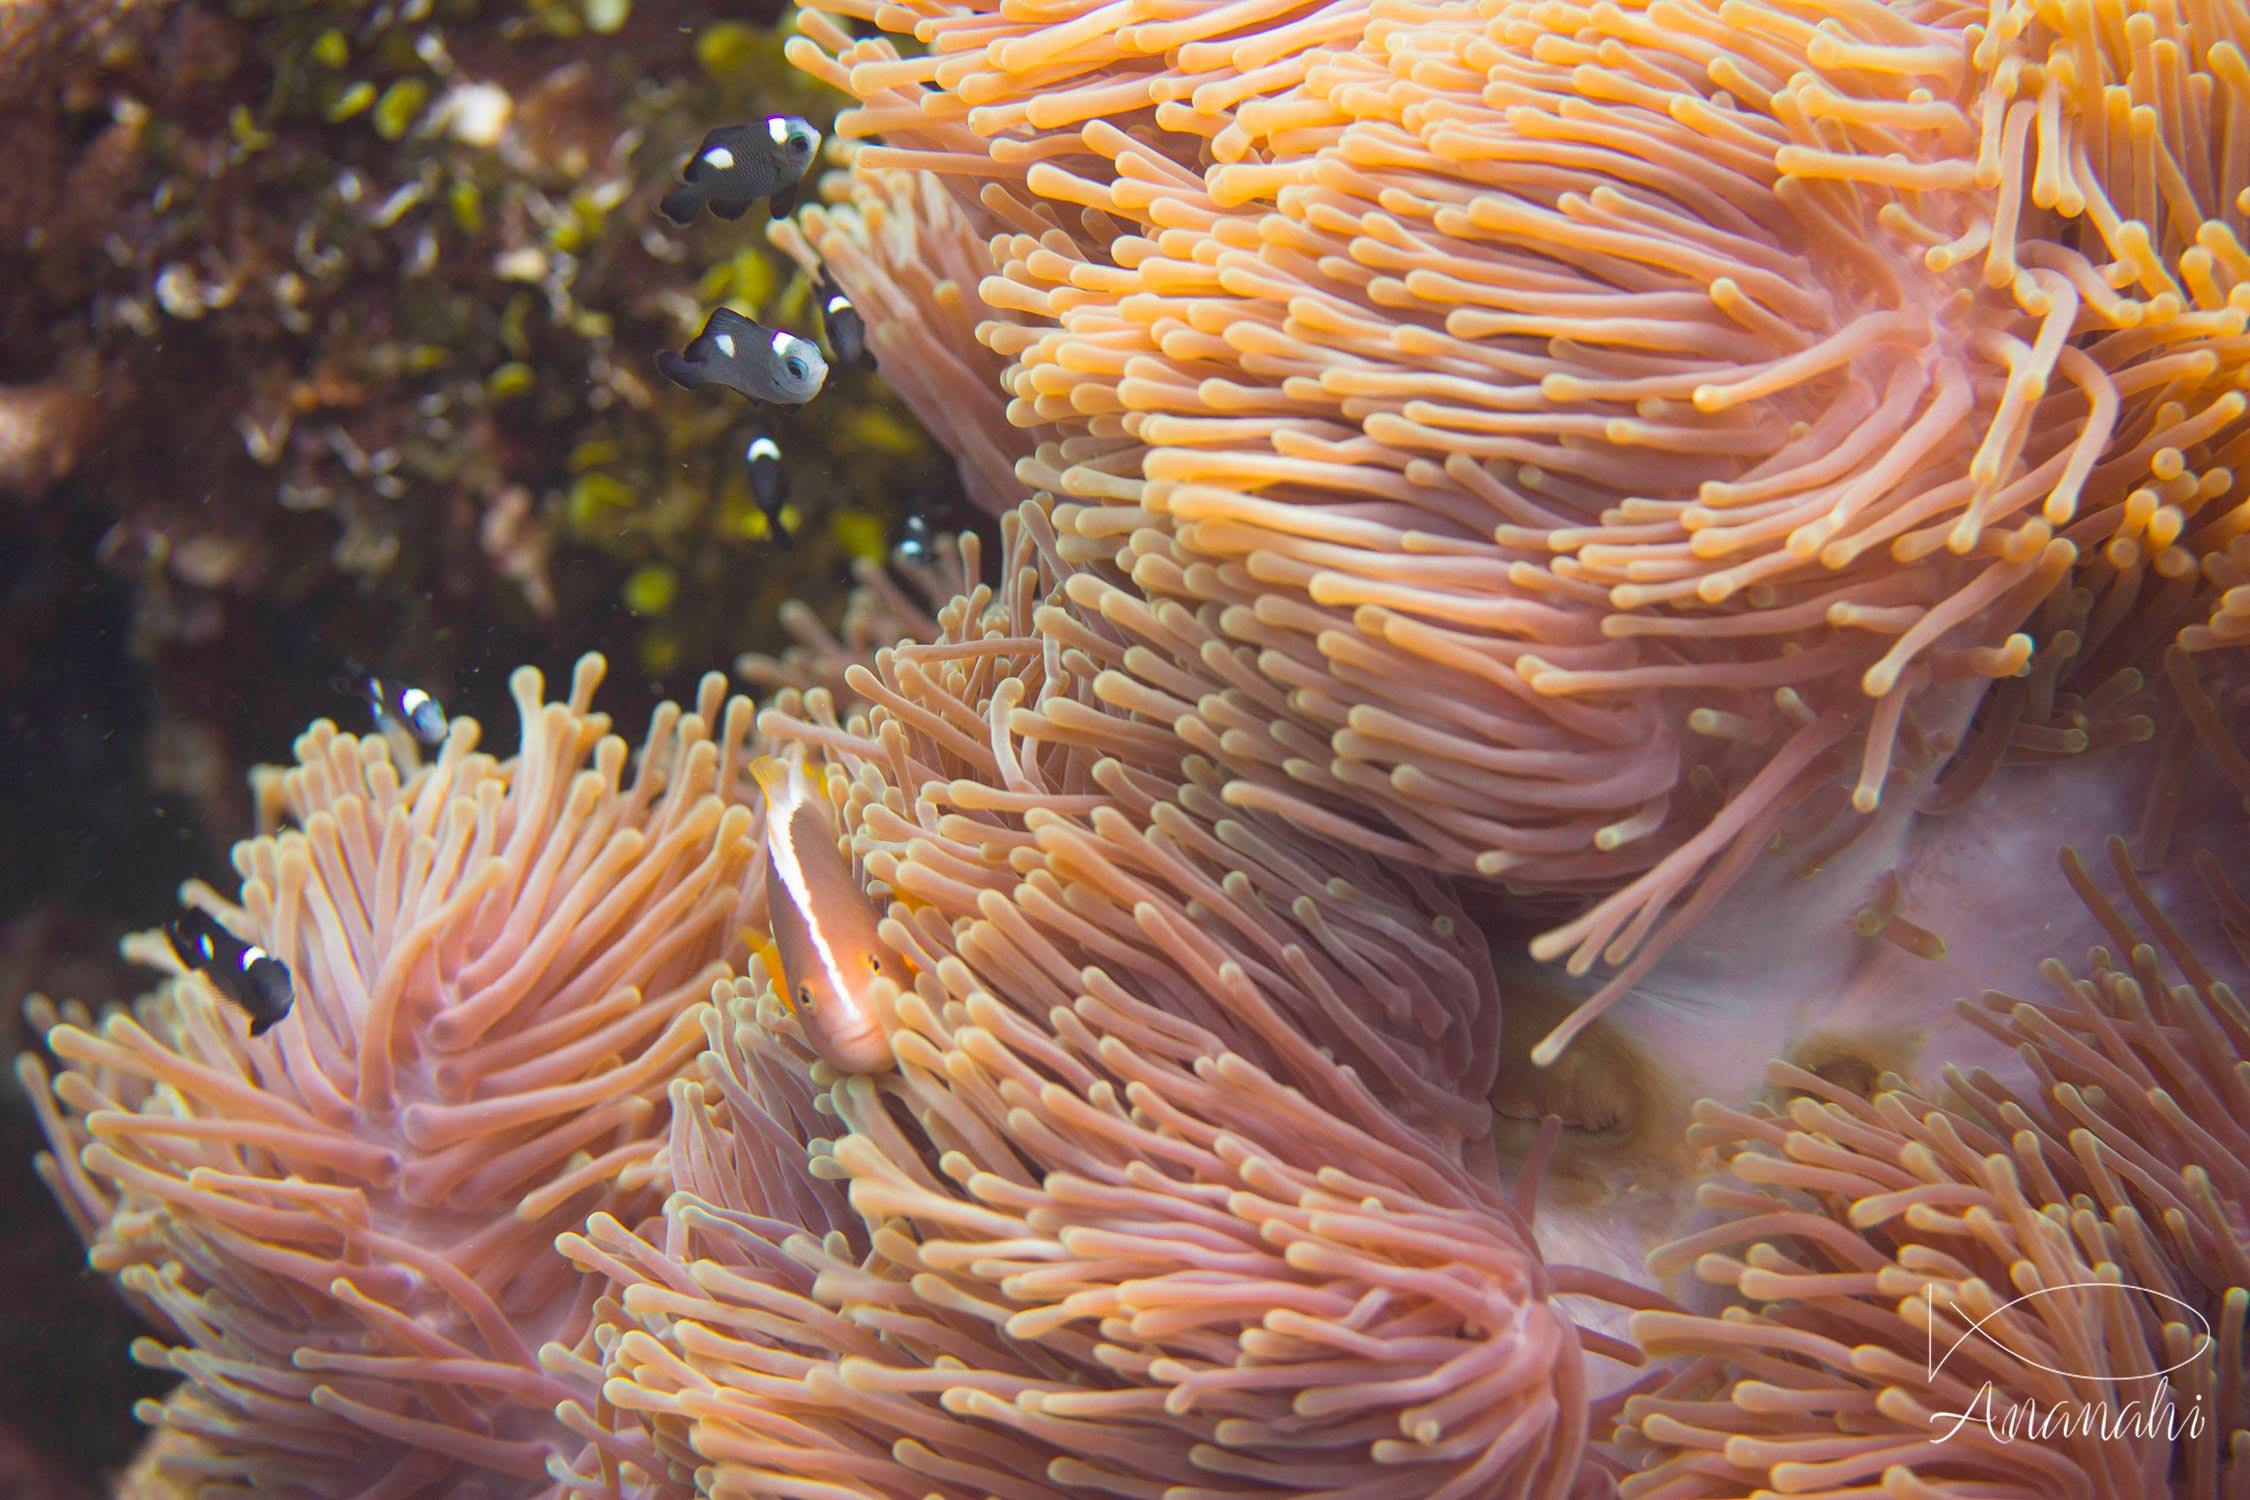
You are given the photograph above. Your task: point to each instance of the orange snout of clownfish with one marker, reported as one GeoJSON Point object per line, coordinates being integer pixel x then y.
{"type": "Point", "coordinates": [826, 935]}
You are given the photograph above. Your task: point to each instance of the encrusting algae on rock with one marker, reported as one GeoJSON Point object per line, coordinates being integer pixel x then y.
{"type": "Point", "coordinates": [346, 312]}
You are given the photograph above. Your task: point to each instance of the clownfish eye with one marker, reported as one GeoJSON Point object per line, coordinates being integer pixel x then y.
{"type": "Point", "coordinates": [874, 964]}
{"type": "Point", "coordinates": [805, 996]}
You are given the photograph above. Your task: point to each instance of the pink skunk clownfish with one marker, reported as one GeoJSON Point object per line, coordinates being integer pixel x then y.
{"type": "Point", "coordinates": [824, 927]}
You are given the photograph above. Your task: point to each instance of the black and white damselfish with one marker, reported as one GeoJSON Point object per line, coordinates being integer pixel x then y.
{"type": "Point", "coordinates": [739, 164]}
{"type": "Point", "coordinates": [916, 547]}
{"type": "Point", "coordinates": [769, 482]}
{"type": "Point", "coordinates": [744, 355]}
{"type": "Point", "coordinates": [253, 979]}
{"type": "Point", "coordinates": [399, 705]}
{"type": "Point", "coordinates": [846, 330]}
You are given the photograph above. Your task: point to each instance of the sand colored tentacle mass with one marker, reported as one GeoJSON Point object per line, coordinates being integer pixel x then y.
{"type": "Point", "coordinates": [1181, 1181]}
{"type": "Point", "coordinates": [1009, 764]}
{"type": "Point", "coordinates": [2041, 1289]}
{"type": "Point", "coordinates": [1075, 1258]}
{"type": "Point", "coordinates": [906, 255]}
{"type": "Point", "coordinates": [1558, 402]}
{"type": "Point", "coordinates": [345, 1227]}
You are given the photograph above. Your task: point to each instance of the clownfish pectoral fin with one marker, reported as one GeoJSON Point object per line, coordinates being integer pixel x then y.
{"type": "Point", "coordinates": [770, 955]}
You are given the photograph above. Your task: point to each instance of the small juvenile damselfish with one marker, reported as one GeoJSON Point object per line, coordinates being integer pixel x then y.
{"type": "Point", "coordinates": [253, 979]}
{"type": "Point", "coordinates": [739, 164]}
{"type": "Point", "coordinates": [398, 705]}
{"type": "Point", "coordinates": [846, 330]}
{"type": "Point", "coordinates": [745, 356]}
{"type": "Point", "coordinates": [915, 544]}
{"type": "Point", "coordinates": [769, 482]}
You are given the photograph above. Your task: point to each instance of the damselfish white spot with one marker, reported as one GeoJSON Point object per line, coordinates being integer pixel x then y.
{"type": "Point", "coordinates": [781, 343]}
{"type": "Point", "coordinates": [412, 700]}
{"type": "Point", "coordinates": [725, 341]}
{"type": "Point", "coordinates": [765, 448]}
{"type": "Point", "coordinates": [251, 955]}
{"type": "Point", "coordinates": [778, 128]}
{"type": "Point", "coordinates": [838, 302]}
{"type": "Point", "coordinates": [720, 157]}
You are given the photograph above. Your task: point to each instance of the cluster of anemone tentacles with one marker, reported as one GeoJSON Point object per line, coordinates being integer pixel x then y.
{"type": "Point", "coordinates": [1991, 1287]}
{"type": "Point", "coordinates": [1094, 1237]}
{"type": "Point", "coordinates": [344, 1229]}
{"type": "Point", "coordinates": [1183, 1183]}
{"type": "Point", "coordinates": [1583, 415]}
{"type": "Point", "coordinates": [1446, 453]}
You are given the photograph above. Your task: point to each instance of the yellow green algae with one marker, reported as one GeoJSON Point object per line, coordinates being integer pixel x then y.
{"type": "Point", "coordinates": [385, 288]}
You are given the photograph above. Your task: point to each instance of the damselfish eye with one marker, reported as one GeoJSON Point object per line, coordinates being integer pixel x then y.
{"type": "Point", "coordinates": [795, 367]}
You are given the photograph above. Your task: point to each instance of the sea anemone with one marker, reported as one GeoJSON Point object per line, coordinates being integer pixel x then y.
{"type": "Point", "coordinates": [1105, 1255]}
{"type": "Point", "coordinates": [1179, 1185]}
{"type": "Point", "coordinates": [345, 1227]}
{"type": "Point", "coordinates": [1992, 1290]}
{"type": "Point", "coordinates": [907, 253]}
{"type": "Point", "coordinates": [1012, 762]}
{"type": "Point", "coordinates": [1565, 403]}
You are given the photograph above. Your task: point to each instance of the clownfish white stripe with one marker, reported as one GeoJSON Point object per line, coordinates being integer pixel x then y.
{"type": "Point", "coordinates": [782, 844]}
